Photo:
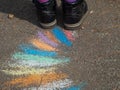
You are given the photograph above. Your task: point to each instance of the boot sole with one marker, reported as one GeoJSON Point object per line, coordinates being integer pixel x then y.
{"type": "Point", "coordinates": [76, 25]}
{"type": "Point", "coordinates": [48, 25]}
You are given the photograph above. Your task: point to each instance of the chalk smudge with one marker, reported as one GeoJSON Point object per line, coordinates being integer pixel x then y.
{"type": "Point", "coordinates": [20, 70]}
{"type": "Point", "coordinates": [26, 59]}
{"type": "Point", "coordinates": [41, 45]}
{"type": "Point", "coordinates": [46, 39]}
{"type": "Point", "coordinates": [59, 34]}
{"type": "Point", "coordinates": [51, 36]}
{"type": "Point", "coordinates": [69, 35]}
{"type": "Point", "coordinates": [76, 87]}
{"type": "Point", "coordinates": [53, 85]}
{"type": "Point", "coordinates": [31, 50]}
{"type": "Point", "coordinates": [36, 79]}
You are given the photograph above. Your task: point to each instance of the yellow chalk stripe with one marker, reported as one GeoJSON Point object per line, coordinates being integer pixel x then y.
{"type": "Point", "coordinates": [25, 71]}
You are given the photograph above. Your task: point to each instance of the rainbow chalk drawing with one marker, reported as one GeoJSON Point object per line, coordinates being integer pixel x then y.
{"type": "Point", "coordinates": [47, 40]}
{"type": "Point", "coordinates": [59, 34]}
{"type": "Point", "coordinates": [29, 49]}
{"type": "Point", "coordinates": [35, 64]}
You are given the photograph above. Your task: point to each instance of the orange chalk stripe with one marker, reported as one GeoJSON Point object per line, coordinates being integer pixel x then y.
{"type": "Point", "coordinates": [41, 45]}
{"type": "Point", "coordinates": [36, 79]}
{"type": "Point", "coordinates": [51, 36]}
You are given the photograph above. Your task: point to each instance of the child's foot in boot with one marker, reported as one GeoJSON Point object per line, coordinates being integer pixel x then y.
{"type": "Point", "coordinates": [73, 13]}
{"type": "Point", "coordinates": [46, 11]}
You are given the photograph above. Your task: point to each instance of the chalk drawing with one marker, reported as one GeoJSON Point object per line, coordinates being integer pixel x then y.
{"type": "Point", "coordinates": [38, 60]}
{"type": "Point", "coordinates": [29, 49]}
{"type": "Point", "coordinates": [20, 70]}
{"type": "Point", "coordinates": [59, 85]}
{"type": "Point", "coordinates": [41, 45]}
{"type": "Point", "coordinates": [69, 35]}
{"type": "Point", "coordinates": [36, 79]}
{"type": "Point", "coordinates": [36, 63]}
{"type": "Point", "coordinates": [76, 87]}
{"type": "Point", "coordinates": [59, 34]}
{"type": "Point", "coordinates": [53, 85]}
{"type": "Point", "coordinates": [51, 36]}
{"type": "Point", "coordinates": [47, 40]}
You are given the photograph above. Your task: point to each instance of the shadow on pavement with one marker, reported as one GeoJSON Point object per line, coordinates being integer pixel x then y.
{"type": "Point", "coordinates": [23, 9]}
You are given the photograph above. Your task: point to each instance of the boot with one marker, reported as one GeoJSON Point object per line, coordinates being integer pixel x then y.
{"type": "Point", "coordinates": [73, 13]}
{"type": "Point", "coordinates": [46, 13]}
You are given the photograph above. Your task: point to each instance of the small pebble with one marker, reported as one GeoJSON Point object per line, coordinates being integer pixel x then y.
{"type": "Point", "coordinates": [82, 28]}
{"type": "Point", "coordinates": [10, 16]}
{"type": "Point", "coordinates": [91, 12]}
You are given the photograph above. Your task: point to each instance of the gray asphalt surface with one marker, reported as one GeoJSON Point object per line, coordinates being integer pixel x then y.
{"type": "Point", "coordinates": [95, 53]}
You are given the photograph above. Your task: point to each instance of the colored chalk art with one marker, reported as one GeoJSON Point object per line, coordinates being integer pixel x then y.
{"type": "Point", "coordinates": [35, 64]}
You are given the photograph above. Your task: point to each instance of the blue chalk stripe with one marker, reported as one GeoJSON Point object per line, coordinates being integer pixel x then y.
{"type": "Point", "coordinates": [29, 49]}
{"type": "Point", "coordinates": [77, 87]}
{"type": "Point", "coordinates": [59, 34]}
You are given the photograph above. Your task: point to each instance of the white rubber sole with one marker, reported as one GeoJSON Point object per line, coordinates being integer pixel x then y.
{"type": "Point", "coordinates": [48, 25]}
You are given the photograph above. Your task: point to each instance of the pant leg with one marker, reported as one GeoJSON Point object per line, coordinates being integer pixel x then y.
{"type": "Point", "coordinates": [41, 1]}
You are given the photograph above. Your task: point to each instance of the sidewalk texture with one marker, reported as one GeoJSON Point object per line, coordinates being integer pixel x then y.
{"type": "Point", "coordinates": [84, 59]}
